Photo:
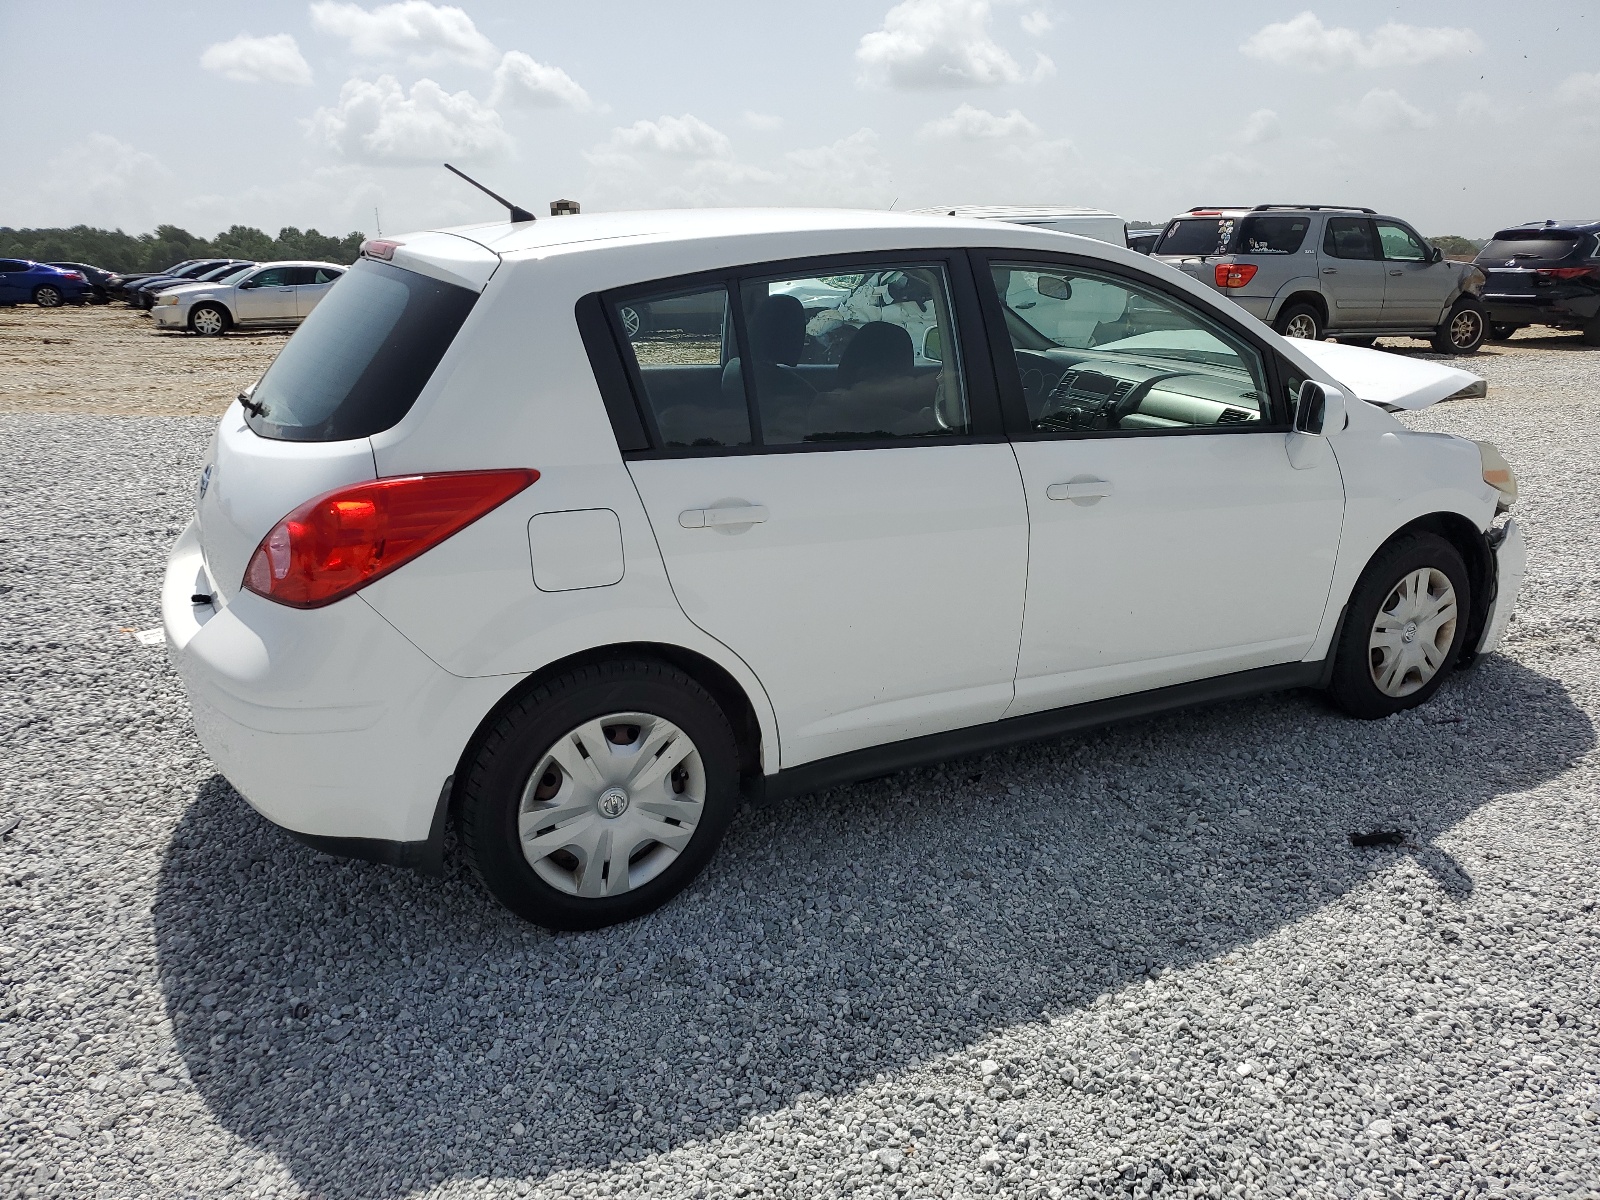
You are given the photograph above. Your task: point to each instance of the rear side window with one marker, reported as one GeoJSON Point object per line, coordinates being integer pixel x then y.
{"type": "Point", "coordinates": [1349, 237]}
{"type": "Point", "coordinates": [358, 363]}
{"type": "Point", "coordinates": [1272, 235]}
{"type": "Point", "coordinates": [687, 368]}
{"type": "Point", "coordinates": [1534, 246]}
{"type": "Point", "coordinates": [1197, 235]}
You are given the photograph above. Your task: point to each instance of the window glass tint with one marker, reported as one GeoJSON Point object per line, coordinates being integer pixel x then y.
{"type": "Point", "coordinates": [1349, 237]}
{"type": "Point", "coordinates": [841, 357]}
{"type": "Point", "coordinates": [11, 264]}
{"type": "Point", "coordinates": [1400, 244]}
{"type": "Point", "coordinates": [1197, 235]}
{"type": "Point", "coordinates": [680, 344]}
{"type": "Point", "coordinates": [358, 363]}
{"type": "Point", "coordinates": [325, 275]}
{"type": "Point", "coordinates": [1534, 246]}
{"type": "Point", "coordinates": [1100, 354]}
{"type": "Point", "coordinates": [1272, 234]}
{"type": "Point", "coordinates": [273, 277]}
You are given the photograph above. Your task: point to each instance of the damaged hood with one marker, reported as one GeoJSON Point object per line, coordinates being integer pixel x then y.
{"type": "Point", "coordinates": [1391, 381]}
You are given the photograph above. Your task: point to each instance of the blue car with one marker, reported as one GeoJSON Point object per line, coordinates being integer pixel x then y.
{"type": "Point", "coordinates": [23, 282]}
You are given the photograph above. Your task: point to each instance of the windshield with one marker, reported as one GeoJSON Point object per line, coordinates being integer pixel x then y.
{"type": "Point", "coordinates": [1535, 245]}
{"type": "Point", "coordinates": [227, 272]}
{"type": "Point", "coordinates": [1197, 235]}
{"type": "Point", "coordinates": [358, 363]}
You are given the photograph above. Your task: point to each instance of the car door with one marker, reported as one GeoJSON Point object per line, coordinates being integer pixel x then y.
{"type": "Point", "coordinates": [311, 285]}
{"type": "Point", "coordinates": [266, 296]}
{"type": "Point", "coordinates": [1417, 288]}
{"type": "Point", "coordinates": [13, 281]}
{"type": "Point", "coordinates": [1354, 276]}
{"type": "Point", "coordinates": [840, 511]}
{"type": "Point", "coordinates": [1172, 539]}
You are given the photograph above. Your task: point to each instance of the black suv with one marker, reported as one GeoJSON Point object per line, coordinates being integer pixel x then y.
{"type": "Point", "coordinates": [1545, 273]}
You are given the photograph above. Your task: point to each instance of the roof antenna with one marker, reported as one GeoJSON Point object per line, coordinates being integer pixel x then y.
{"type": "Point", "coordinates": [518, 213]}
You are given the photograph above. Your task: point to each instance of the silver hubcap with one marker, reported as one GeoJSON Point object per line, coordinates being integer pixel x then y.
{"type": "Point", "coordinates": [1413, 632]}
{"type": "Point", "coordinates": [208, 320]}
{"type": "Point", "coordinates": [612, 804]}
{"type": "Point", "coordinates": [1301, 326]}
{"type": "Point", "coordinates": [1466, 329]}
{"type": "Point", "coordinates": [630, 322]}
{"type": "Point", "coordinates": [48, 297]}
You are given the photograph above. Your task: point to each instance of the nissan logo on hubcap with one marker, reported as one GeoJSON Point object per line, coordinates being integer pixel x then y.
{"type": "Point", "coordinates": [614, 803]}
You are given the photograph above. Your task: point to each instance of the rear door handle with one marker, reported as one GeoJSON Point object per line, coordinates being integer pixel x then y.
{"type": "Point", "coordinates": [1397, 272]}
{"type": "Point", "coordinates": [731, 514]}
{"type": "Point", "coordinates": [1080, 489]}
{"type": "Point", "coordinates": [1330, 270]}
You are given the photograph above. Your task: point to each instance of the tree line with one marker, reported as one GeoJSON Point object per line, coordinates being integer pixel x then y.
{"type": "Point", "coordinates": [118, 251]}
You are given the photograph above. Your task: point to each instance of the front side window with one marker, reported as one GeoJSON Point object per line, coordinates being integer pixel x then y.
{"type": "Point", "coordinates": [1097, 353]}
{"type": "Point", "coordinates": [1349, 237]}
{"type": "Point", "coordinates": [272, 277]}
{"type": "Point", "coordinates": [1272, 234]}
{"type": "Point", "coordinates": [1400, 244]}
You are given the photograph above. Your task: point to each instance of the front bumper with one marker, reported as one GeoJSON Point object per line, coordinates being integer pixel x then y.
{"type": "Point", "coordinates": [328, 721]}
{"type": "Point", "coordinates": [171, 316]}
{"type": "Point", "coordinates": [1511, 566]}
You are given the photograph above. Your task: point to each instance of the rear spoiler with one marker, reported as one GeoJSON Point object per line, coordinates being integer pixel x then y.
{"type": "Point", "coordinates": [1392, 381]}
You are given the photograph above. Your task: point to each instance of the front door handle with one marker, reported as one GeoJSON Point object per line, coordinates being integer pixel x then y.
{"type": "Point", "coordinates": [1080, 489]}
{"type": "Point", "coordinates": [1397, 271]}
{"type": "Point", "coordinates": [1330, 270]}
{"type": "Point", "coordinates": [722, 516]}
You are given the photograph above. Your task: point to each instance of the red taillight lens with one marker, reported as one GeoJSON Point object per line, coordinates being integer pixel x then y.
{"type": "Point", "coordinates": [1565, 272]}
{"type": "Point", "coordinates": [1232, 275]}
{"type": "Point", "coordinates": [78, 275]}
{"type": "Point", "coordinates": [340, 542]}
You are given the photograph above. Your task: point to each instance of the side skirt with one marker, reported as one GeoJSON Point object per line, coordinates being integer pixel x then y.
{"type": "Point", "coordinates": [976, 739]}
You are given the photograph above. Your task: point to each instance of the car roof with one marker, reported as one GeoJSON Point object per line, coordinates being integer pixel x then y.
{"type": "Point", "coordinates": [1556, 226]}
{"type": "Point", "coordinates": [1218, 210]}
{"type": "Point", "coordinates": [1016, 212]}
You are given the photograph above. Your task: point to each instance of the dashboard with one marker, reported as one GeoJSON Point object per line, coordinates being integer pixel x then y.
{"type": "Point", "coordinates": [1069, 390]}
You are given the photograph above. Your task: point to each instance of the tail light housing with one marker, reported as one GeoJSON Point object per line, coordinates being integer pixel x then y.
{"type": "Point", "coordinates": [1234, 275]}
{"type": "Point", "coordinates": [383, 248]}
{"type": "Point", "coordinates": [338, 543]}
{"type": "Point", "coordinates": [1562, 273]}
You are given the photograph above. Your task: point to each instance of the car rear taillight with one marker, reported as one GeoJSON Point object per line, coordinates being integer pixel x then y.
{"type": "Point", "coordinates": [1554, 273]}
{"type": "Point", "coordinates": [1233, 275]}
{"type": "Point", "coordinates": [382, 248]}
{"type": "Point", "coordinates": [340, 542]}
{"type": "Point", "coordinates": [78, 275]}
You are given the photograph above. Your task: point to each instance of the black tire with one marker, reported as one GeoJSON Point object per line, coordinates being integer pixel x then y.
{"type": "Point", "coordinates": [1353, 687]}
{"type": "Point", "coordinates": [209, 320]}
{"type": "Point", "coordinates": [519, 743]}
{"type": "Point", "coordinates": [1591, 331]}
{"type": "Point", "coordinates": [1366, 343]}
{"type": "Point", "coordinates": [1463, 329]}
{"type": "Point", "coordinates": [47, 295]}
{"type": "Point", "coordinates": [1303, 319]}
{"type": "Point", "coordinates": [1501, 332]}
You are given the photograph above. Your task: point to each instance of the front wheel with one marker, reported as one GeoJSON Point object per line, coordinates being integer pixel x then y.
{"type": "Point", "coordinates": [599, 796]}
{"type": "Point", "coordinates": [208, 320]}
{"type": "Point", "coordinates": [1463, 331]}
{"type": "Point", "coordinates": [1300, 321]}
{"type": "Point", "coordinates": [1403, 629]}
{"type": "Point", "coordinates": [47, 295]}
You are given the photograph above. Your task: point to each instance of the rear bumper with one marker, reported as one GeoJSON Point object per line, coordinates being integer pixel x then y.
{"type": "Point", "coordinates": [328, 721]}
{"type": "Point", "coordinates": [1541, 310]}
{"type": "Point", "coordinates": [1511, 566]}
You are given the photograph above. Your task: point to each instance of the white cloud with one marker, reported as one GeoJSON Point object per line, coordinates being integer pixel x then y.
{"type": "Point", "coordinates": [940, 44]}
{"type": "Point", "coordinates": [685, 137]}
{"type": "Point", "coordinates": [852, 170]}
{"type": "Point", "coordinates": [379, 122]}
{"type": "Point", "coordinates": [98, 181]}
{"type": "Point", "coordinates": [1385, 109]}
{"type": "Point", "coordinates": [1263, 125]}
{"type": "Point", "coordinates": [764, 122]}
{"type": "Point", "coordinates": [1037, 23]}
{"type": "Point", "coordinates": [1306, 42]}
{"type": "Point", "coordinates": [422, 34]}
{"type": "Point", "coordinates": [1582, 89]}
{"type": "Point", "coordinates": [519, 81]}
{"type": "Point", "coordinates": [274, 59]}
{"type": "Point", "coordinates": [673, 161]}
{"type": "Point", "coordinates": [969, 124]}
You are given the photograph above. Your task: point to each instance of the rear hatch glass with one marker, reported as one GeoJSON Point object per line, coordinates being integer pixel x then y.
{"type": "Point", "coordinates": [358, 363]}
{"type": "Point", "coordinates": [1529, 248]}
{"type": "Point", "coordinates": [1197, 235]}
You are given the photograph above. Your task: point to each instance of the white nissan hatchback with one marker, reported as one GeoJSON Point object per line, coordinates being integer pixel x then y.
{"type": "Point", "coordinates": [474, 548]}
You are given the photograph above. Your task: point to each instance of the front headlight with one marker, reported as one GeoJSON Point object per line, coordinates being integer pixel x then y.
{"type": "Point", "coordinates": [1497, 474]}
{"type": "Point", "coordinates": [166, 299]}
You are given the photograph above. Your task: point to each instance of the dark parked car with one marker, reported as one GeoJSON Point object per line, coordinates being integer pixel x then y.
{"type": "Point", "coordinates": [124, 280]}
{"type": "Point", "coordinates": [99, 279]}
{"type": "Point", "coordinates": [143, 293]}
{"type": "Point", "coordinates": [190, 268]}
{"type": "Point", "coordinates": [1546, 273]}
{"type": "Point", "coordinates": [1143, 240]}
{"type": "Point", "coordinates": [22, 281]}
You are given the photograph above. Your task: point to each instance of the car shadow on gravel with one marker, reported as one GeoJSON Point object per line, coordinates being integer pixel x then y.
{"type": "Point", "coordinates": [378, 1032]}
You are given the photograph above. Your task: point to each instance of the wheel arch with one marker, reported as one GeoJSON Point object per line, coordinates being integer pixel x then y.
{"type": "Point", "coordinates": [726, 690]}
{"type": "Point", "coordinates": [219, 305]}
{"type": "Point", "coordinates": [1471, 543]}
{"type": "Point", "coordinates": [1300, 291]}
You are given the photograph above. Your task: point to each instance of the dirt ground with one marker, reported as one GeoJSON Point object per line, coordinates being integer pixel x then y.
{"type": "Point", "coordinates": [110, 361]}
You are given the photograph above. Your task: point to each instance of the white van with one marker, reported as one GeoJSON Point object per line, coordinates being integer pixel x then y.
{"type": "Point", "coordinates": [1094, 223]}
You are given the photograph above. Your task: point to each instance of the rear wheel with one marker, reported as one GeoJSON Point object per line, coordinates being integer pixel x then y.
{"type": "Point", "coordinates": [1300, 321]}
{"type": "Point", "coordinates": [1463, 331]}
{"type": "Point", "coordinates": [47, 295]}
{"type": "Point", "coordinates": [599, 796]}
{"type": "Point", "coordinates": [208, 320]}
{"type": "Point", "coordinates": [1403, 629]}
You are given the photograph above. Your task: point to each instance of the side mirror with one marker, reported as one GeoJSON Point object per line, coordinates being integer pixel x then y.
{"type": "Point", "coordinates": [933, 345]}
{"type": "Point", "coordinates": [1438, 255]}
{"type": "Point", "coordinates": [1055, 287]}
{"type": "Point", "coordinates": [249, 283]}
{"type": "Point", "coordinates": [1320, 410]}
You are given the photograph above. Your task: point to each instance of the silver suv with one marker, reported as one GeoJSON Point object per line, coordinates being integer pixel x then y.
{"type": "Point", "coordinates": [1316, 271]}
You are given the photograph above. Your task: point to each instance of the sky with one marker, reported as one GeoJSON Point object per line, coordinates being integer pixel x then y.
{"type": "Point", "coordinates": [1460, 117]}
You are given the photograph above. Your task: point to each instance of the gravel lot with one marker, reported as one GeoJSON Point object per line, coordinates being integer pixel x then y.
{"type": "Point", "coordinates": [1142, 962]}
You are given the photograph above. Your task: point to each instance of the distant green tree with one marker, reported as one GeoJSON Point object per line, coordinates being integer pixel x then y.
{"type": "Point", "coordinates": [168, 244]}
{"type": "Point", "coordinates": [1455, 246]}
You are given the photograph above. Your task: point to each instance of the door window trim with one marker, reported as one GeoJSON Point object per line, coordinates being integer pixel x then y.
{"type": "Point", "coordinates": [622, 388]}
{"type": "Point", "coordinates": [1014, 407]}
